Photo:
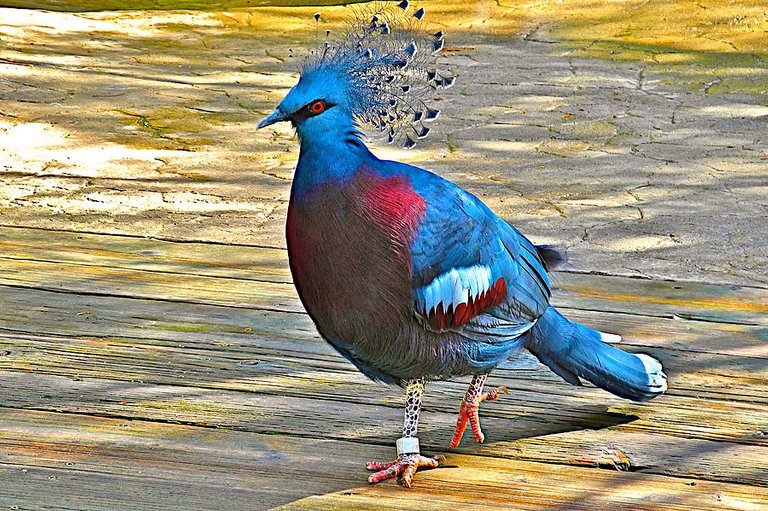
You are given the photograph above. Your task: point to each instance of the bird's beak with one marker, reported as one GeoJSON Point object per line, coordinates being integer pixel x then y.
{"type": "Point", "coordinates": [276, 116]}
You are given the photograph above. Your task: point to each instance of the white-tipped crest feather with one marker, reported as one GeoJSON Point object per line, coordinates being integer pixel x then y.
{"type": "Point", "coordinates": [391, 66]}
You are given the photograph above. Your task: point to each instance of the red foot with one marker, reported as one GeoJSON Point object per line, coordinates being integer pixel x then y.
{"type": "Point", "coordinates": [406, 465]}
{"type": "Point", "coordinates": [468, 413]}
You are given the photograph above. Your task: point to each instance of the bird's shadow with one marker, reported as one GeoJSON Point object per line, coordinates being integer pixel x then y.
{"type": "Point", "coordinates": [504, 423]}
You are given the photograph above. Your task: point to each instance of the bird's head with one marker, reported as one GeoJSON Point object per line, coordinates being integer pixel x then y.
{"type": "Point", "coordinates": [318, 103]}
{"type": "Point", "coordinates": [381, 72]}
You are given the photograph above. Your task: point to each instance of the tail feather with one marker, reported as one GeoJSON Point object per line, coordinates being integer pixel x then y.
{"type": "Point", "coordinates": [574, 351]}
{"type": "Point", "coordinates": [554, 256]}
{"type": "Point", "coordinates": [610, 338]}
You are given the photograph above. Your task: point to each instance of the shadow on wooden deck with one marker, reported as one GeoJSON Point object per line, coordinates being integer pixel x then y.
{"type": "Point", "coordinates": [146, 374]}
{"type": "Point", "coordinates": [149, 374]}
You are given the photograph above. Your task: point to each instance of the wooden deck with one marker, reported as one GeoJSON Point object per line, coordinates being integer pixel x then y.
{"type": "Point", "coordinates": [140, 374]}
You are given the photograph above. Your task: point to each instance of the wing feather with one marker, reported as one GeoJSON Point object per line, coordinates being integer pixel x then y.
{"type": "Point", "coordinates": [489, 279]}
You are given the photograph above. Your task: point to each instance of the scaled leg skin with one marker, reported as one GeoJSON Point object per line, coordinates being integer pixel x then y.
{"type": "Point", "coordinates": [408, 458]}
{"type": "Point", "coordinates": [469, 407]}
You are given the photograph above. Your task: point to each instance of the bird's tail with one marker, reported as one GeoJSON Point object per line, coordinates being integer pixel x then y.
{"type": "Point", "coordinates": [574, 351]}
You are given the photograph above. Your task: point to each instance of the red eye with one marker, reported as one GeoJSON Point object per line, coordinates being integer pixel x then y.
{"type": "Point", "coordinates": [317, 107]}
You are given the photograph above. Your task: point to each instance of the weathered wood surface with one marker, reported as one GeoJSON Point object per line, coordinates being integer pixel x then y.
{"type": "Point", "coordinates": [181, 373]}
{"type": "Point", "coordinates": [122, 266]}
{"type": "Point", "coordinates": [71, 459]}
{"type": "Point", "coordinates": [150, 374]}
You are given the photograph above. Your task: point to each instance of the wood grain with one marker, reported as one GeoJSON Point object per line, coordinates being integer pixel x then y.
{"type": "Point", "coordinates": [171, 370]}
{"type": "Point", "coordinates": [115, 265]}
{"type": "Point", "coordinates": [170, 466]}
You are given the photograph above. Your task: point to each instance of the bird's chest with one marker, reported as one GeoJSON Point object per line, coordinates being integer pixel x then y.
{"type": "Point", "coordinates": [349, 251]}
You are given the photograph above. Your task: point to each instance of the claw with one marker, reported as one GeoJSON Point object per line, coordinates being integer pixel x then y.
{"type": "Point", "coordinates": [468, 412]}
{"type": "Point", "coordinates": [493, 395]}
{"type": "Point", "coordinates": [406, 466]}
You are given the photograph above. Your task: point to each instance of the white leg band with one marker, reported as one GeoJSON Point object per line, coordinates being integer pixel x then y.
{"type": "Point", "coordinates": [408, 445]}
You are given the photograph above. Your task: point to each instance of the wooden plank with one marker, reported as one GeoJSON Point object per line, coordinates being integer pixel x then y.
{"type": "Point", "coordinates": [649, 453]}
{"type": "Point", "coordinates": [678, 333]}
{"type": "Point", "coordinates": [118, 265]}
{"type": "Point", "coordinates": [321, 404]}
{"type": "Point", "coordinates": [706, 376]}
{"type": "Point", "coordinates": [177, 287]}
{"type": "Point", "coordinates": [664, 298]}
{"type": "Point", "coordinates": [296, 363]}
{"type": "Point", "coordinates": [179, 452]}
{"type": "Point", "coordinates": [494, 485]}
{"type": "Point", "coordinates": [57, 489]}
{"type": "Point", "coordinates": [134, 348]}
{"type": "Point", "coordinates": [31, 310]}
{"type": "Point", "coordinates": [533, 404]}
{"type": "Point", "coordinates": [163, 466]}
{"type": "Point", "coordinates": [107, 328]}
{"type": "Point", "coordinates": [547, 403]}
{"type": "Point", "coordinates": [206, 360]}
{"type": "Point", "coordinates": [67, 461]}
{"type": "Point", "coordinates": [111, 348]}
{"type": "Point", "coordinates": [135, 252]}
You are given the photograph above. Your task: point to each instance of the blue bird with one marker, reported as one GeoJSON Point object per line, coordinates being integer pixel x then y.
{"type": "Point", "coordinates": [405, 274]}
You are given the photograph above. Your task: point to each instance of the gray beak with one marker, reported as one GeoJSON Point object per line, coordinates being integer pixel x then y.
{"type": "Point", "coordinates": [276, 116]}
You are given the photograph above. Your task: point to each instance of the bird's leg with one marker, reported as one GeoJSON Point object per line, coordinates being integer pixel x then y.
{"type": "Point", "coordinates": [469, 407]}
{"type": "Point", "coordinates": [408, 457]}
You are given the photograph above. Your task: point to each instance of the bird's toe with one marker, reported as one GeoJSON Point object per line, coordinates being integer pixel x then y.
{"type": "Point", "coordinates": [406, 466]}
{"type": "Point", "coordinates": [468, 414]}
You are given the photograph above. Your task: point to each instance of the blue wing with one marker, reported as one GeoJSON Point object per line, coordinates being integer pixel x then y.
{"type": "Point", "coordinates": [472, 273]}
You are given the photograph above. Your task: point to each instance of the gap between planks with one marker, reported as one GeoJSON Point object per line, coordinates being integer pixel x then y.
{"type": "Point", "coordinates": [495, 419]}
{"type": "Point", "coordinates": [136, 256]}
{"type": "Point", "coordinates": [191, 464]}
{"type": "Point", "coordinates": [329, 404]}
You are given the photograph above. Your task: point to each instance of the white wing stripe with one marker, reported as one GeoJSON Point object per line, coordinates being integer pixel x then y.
{"type": "Point", "coordinates": [454, 287]}
{"type": "Point", "coordinates": [470, 278]}
{"type": "Point", "coordinates": [430, 299]}
{"type": "Point", "coordinates": [458, 289]}
{"type": "Point", "coordinates": [446, 291]}
{"type": "Point", "coordinates": [485, 278]}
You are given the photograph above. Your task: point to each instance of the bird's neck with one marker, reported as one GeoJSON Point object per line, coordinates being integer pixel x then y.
{"type": "Point", "coordinates": [331, 156]}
